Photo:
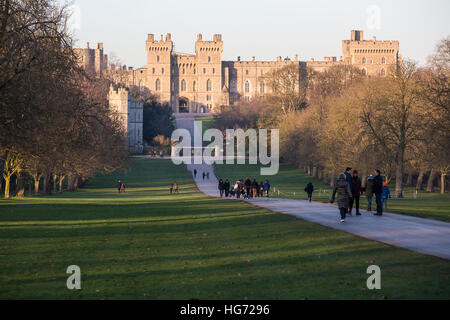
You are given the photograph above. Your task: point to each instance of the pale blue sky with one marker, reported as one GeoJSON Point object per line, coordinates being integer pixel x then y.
{"type": "Point", "coordinates": [265, 29]}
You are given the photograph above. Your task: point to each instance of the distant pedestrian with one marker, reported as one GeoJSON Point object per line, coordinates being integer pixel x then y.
{"type": "Point", "coordinates": [123, 187]}
{"type": "Point", "coordinates": [175, 187]}
{"type": "Point", "coordinates": [261, 189]}
{"type": "Point", "coordinates": [349, 179]}
{"type": "Point", "coordinates": [309, 189]}
{"type": "Point", "coordinates": [119, 185]}
{"type": "Point", "coordinates": [385, 194]}
{"type": "Point", "coordinates": [267, 188]}
{"type": "Point", "coordinates": [378, 190]}
{"type": "Point", "coordinates": [255, 188]}
{"type": "Point", "coordinates": [227, 186]}
{"type": "Point", "coordinates": [343, 191]}
{"type": "Point", "coordinates": [161, 154]}
{"type": "Point", "coordinates": [237, 189]}
{"type": "Point", "coordinates": [207, 175]}
{"type": "Point", "coordinates": [204, 176]}
{"type": "Point", "coordinates": [368, 191]}
{"type": "Point", "coordinates": [171, 188]}
{"type": "Point", "coordinates": [248, 187]}
{"type": "Point", "coordinates": [195, 173]}
{"type": "Point", "coordinates": [221, 188]}
{"type": "Point", "coordinates": [356, 193]}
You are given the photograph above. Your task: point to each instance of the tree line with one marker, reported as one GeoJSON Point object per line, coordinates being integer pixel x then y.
{"type": "Point", "coordinates": [56, 128]}
{"type": "Point", "coordinates": [341, 118]}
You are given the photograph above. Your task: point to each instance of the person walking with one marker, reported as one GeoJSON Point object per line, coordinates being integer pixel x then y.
{"type": "Point", "coordinates": [195, 173]}
{"type": "Point", "coordinates": [119, 185]}
{"type": "Point", "coordinates": [171, 188]}
{"type": "Point", "coordinates": [356, 193]}
{"type": "Point", "coordinates": [204, 176]}
{"type": "Point", "coordinates": [221, 188]}
{"type": "Point", "coordinates": [207, 175]}
{"type": "Point", "coordinates": [266, 188]}
{"type": "Point", "coordinates": [123, 187]}
{"type": "Point", "coordinates": [309, 189]}
{"type": "Point", "coordinates": [385, 194]}
{"type": "Point", "coordinates": [237, 189]}
{"type": "Point", "coordinates": [344, 193]}
{"type": "Point", "coordinates": [175, 188]}
{"type": "Point", "coordinates": [378, 190]}
{"type": "Point", "coordinates": [254, 188]}
{"type": "Point", "coordinates": [368, 190]}
{"type": "Point", "coordinates": [248, 187]}
{"type": "Point", "coordinates": [227, 186]}
{"type": "Point", "coordinates": [261, 189]}
{"type": "Point", "coordinates": [349, 179]}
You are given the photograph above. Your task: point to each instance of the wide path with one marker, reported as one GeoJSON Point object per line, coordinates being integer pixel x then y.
{"type": "Point", "coordinates": [422, 235]}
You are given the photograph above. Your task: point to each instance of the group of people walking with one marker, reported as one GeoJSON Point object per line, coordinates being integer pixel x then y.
{"type": "Point", "coordinates": [246, 189]}
{"type": "Point", "coordinates": [173, 188]}
{"type": "Point", "coordinates": [349, 189]}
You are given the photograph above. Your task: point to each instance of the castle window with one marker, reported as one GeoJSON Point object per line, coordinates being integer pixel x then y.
{"type": "Point", "coordinates": [214, 71]}
{"type": "Point", "coordinates": [208, 98]}
{"type": "Point", "coordinates": [383, 60]}
{"type": "Point", "coordinates": [153, 70]}
{"type": "Point", "coordinates": [209, 59]}
{"type": "Point", "coordinates": [183, 71]}
{"type": "Point", "coordinates": [364, 60]}
{"type": "Point", "coordinates": [247, 86]}
{"type": "Point", "coordinates": [194, 86]}
{"type": "Point", "coordinates": [183, 85]}
{"type": "Point", "coordinates": [246, 72]}
{"type": "Point", "coordinates": [262, 72]}
{"type": "Point", "coordinates": [157, 58]}
{"type": "Point", "coordinates": [158, 85]}
{"type": "Point", "coordinates": [204, 70]}
{"type": "Point", "coordinates": [364, 71]}
{"type": "Point", "coordinates": [195, 71]}
{"type": "Point", "coordinates": [162, 70]}
{"type": "Point", "coordinates": [371, 61]}
{"type": "Point", "coordinates": [262, 87]}
{"type": "Point", "coordinates": [383, 72]}
{"type": "Point", "coordinates": [208, 85]}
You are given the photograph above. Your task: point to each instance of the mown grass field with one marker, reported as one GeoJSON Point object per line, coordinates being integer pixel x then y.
{"type": "Point", "coordinates": [147, 244]}
{"type": "Point", "coordinates": [290, 183]}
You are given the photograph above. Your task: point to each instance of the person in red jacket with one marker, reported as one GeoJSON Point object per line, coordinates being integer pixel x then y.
{"type": "Point", "coordinates": [356, 192]}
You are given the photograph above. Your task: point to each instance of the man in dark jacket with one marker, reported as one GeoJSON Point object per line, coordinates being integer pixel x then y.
{"type": "Point", "coordinates": [227, 187]}
{"type": "Point", "coordinates": [349, 179]}
{"type": "Point", "coordinates": [248, 186]}
{"type": "Point", "coordinates": [309, 190]}
{"type": "Point", "coordinates": [378, 190]}
{"type": "Point", "coordinates": [221, 188]}
{"type": "Point", "coordinates": [356, 193]}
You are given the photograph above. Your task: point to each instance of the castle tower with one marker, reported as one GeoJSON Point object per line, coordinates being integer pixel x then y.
{"type": "Point", "coordinates": [373, 57]}
{"type": "Point", "coordinates": [159, 67]}
{"type": "Point", "coordinates": [131, 115]}
{"type": "Point", "coordinates": [209, 69]}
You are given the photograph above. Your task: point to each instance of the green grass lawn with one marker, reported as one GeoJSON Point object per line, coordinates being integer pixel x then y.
{"type": "Point", "coordinates": [290, 183]}
{"type": "Point", "coordinates": [146, 244]}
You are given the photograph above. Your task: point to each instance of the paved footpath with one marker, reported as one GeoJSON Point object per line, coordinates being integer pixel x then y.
{"type": "Point", "coordinates": [426, 236]}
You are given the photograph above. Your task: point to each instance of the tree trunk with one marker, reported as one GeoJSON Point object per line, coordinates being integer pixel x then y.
{"type": "Point", "coordinates": [55, 183]}
{"type": "Point", "coordinates": [37, 179]}
{"type": "Point", "coordinates": [2, 168]}
{"type": "Point", "coordinates": [325, 177]}
{"type": "Point", "coordinates": [314, 174]}
{"type": "Point", "coordinates": [7, 183]}
{"type": "Point", "coordinates": [305, 169]}
{"type": "Point", "coordinates": [75, 183]}
{"type": "Point", "coordinates": [309, 171]}
{"type": "Point", "coordinates": [431, 178]}
{"type": "Point", "coordinates": [443, 175]}
{"type": "Point", "coordinates": [320, 174]}
{"type": "Point", "coordinates": [399, 178]}
{"type": "Point", "coordinates": [20, 189]}
{"type": "Point", "coordinates": [419, 185]}
{"type": "Point", "coordinates": [61, 181]}
{"type": "Point", "coordinates": [332, 180]}
{"type": "Point", "coordinates": [409, 180]}
{"type": "Point", "coordinates": [47, 185]}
